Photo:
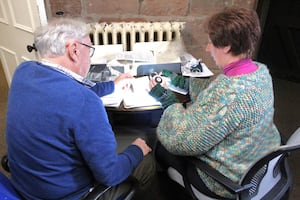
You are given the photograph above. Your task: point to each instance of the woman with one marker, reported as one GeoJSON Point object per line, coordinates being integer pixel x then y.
{"type": "Point", "coordinates": [229, 121]}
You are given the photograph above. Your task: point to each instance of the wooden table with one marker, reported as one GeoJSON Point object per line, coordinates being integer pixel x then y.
{"type": "Point", "coordinates": [152, 113]}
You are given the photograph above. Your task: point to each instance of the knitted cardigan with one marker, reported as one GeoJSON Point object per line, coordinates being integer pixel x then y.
{"type": "Point", "coordinates": [229, 124]}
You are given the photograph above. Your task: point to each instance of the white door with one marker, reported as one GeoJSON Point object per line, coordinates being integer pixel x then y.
{"type": "Point", "coordinates": [18, 20]}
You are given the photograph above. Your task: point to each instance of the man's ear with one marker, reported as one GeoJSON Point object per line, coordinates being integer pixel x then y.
{"type": "Point", "coordinates": [72, 51]}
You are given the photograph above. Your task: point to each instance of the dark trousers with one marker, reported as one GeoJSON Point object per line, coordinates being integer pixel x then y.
{"type": "Point", "coordinates": [144, 173]}
{"type": "Point", "coordinates": [184, 167]}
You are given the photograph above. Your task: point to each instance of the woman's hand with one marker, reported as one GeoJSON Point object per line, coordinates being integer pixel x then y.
{"type": "Point", "coordinates": [157, 79]}
{"type": "Point", "coordinates": [152, 83]}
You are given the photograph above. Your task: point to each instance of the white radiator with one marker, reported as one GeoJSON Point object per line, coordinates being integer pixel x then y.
{"type": "Point", "coordinates": [128, 33]}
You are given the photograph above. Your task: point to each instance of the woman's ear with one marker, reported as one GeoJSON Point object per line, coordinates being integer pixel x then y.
{"type": "Point", "coordinates": [226, 49]}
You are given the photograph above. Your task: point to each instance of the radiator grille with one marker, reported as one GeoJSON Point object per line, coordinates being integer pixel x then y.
{"type": "Point", "coordinates": [129, 33]}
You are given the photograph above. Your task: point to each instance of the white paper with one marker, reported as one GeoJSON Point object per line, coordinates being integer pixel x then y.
{"type": "Point", "coordinates": [115, 99]}
{"type": "Point", "coordinates": [105, 53]}
{"type": "Point", "coordinates": [136, 56]}
{"type": "Point", "coordinates": [206, 72]}
{"type": "Point", "coordinates": [163, 51]}
{"type": "Point", "coordinates": [139, 95]}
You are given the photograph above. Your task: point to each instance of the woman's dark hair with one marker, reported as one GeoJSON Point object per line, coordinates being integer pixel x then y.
{"type": "Point", "coordinates": [238, 28]}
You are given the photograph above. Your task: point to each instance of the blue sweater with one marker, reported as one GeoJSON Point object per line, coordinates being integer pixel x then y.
{"type": "Point", "coordinates": [59, 137]}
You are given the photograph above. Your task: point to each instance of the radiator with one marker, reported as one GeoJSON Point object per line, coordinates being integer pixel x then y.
{"type": "Point", "coordinates": [128, 33]}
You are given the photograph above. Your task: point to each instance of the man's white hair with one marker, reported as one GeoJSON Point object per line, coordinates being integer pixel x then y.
{"type": "Point", "coordinates": [51, 39]}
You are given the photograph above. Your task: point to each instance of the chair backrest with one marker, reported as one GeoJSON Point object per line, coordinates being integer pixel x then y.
{"type": "Point", "coordinates": [6, 189]}
{"type": "Point", "coordinates": [271, 181]}
{"type": "Point", "coordinates": [294, 140]}
{"type": "Point", "coordinates": [271, 176]}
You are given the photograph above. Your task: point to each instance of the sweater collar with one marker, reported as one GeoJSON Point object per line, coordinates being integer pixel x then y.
{"type": "Point", "coordinates": [239, 67]}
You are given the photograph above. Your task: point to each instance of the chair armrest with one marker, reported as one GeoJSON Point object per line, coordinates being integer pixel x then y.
{"type": "Point", "coordinates": [217, 176]}
{"type": "Point", "coordinates": [100, 189]}
{"type": "Point", "coordinates": [4, 163]}
{"type": "Point", "coordinates": [97, 192]}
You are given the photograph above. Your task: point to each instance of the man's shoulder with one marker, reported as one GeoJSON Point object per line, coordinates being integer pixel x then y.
{"type": "Point", "coordinates": [26, 65]}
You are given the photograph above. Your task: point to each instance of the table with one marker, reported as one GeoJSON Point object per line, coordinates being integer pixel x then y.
{"type": "Point", "coordinates": [151, 113]}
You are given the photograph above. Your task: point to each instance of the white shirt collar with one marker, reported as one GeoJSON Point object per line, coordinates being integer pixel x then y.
{"type": "Point", "coordinates": [68, 72]}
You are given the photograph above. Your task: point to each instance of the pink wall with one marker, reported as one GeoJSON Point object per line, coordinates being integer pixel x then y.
{"type": "Point", "coordinates": [193, 12]}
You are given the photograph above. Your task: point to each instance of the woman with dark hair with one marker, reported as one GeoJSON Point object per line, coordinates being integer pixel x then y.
{"type": "Point", "coordinates": [229, 121]}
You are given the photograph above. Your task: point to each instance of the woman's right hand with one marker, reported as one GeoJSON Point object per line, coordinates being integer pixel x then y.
{"type": "Point", "coordinates": [153, 81]}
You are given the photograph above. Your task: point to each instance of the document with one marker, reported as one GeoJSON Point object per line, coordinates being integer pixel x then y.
{"type": "Point", "coordinates": [136, 56]}
{"type": "Point", "coordinates": [114, 99]}
{"type": "Point", "coordinates": [132, 92]}
{"type": "Point", "coordinates": [205, 72]}
{"type": "Point", "coordinates": [138, 94]}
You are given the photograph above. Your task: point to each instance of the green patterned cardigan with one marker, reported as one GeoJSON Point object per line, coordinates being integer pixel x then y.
{"type": "Point", "coordinates": [229, 124]}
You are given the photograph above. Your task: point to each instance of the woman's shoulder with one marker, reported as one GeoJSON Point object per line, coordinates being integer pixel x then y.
{"type": "Point", "coordinates": [261, 67]}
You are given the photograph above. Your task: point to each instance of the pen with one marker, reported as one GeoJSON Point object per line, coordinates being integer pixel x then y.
{"type": "Point", "coordinates": [131, 87]}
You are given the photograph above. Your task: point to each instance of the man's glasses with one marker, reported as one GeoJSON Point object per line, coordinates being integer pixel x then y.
{"type": "Point", "coordinates": [92, 49]}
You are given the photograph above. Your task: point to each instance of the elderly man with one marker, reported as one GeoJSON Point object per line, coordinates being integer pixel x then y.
{"type": "Point", "coordinates": [59, 138]}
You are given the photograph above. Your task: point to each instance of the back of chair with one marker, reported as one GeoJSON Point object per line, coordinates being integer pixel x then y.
{"type": "Point", "coordinates": [294, 140]}
{"type": "Point", "coordinates": [273, 180]}
{"type": "Point", "coordinates": [271, 177]}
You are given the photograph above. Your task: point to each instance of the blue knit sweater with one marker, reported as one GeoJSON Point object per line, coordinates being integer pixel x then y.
{"type": "Point", "coordinates": [59, 137]}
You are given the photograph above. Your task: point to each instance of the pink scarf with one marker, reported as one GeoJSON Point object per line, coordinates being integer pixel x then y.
{"type": "Point", "coordinates": [244, 66]}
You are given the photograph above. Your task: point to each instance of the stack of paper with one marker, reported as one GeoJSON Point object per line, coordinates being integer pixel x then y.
{"type": "Point", "coordinates": [205, 73]}
{"type": "Point", "coordinates": [114, 99]}
{"type": "Point", "coordinates": [133, 93]}
{"type": "Point", "coordinates": [138, 95]}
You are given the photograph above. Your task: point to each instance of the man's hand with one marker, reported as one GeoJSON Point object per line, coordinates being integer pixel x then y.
{"type": "Point", "coordinates": [122, 77]}
{"type": "Point", "coordinates": [143, 145]}
{"type": "Point", "coordinates": [123, 81]}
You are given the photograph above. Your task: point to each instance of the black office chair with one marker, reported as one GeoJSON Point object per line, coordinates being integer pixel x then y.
{"type": "Point", "coordinates": [269, 178]}
{"type": "Point", "coordinates": [7, 191]}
